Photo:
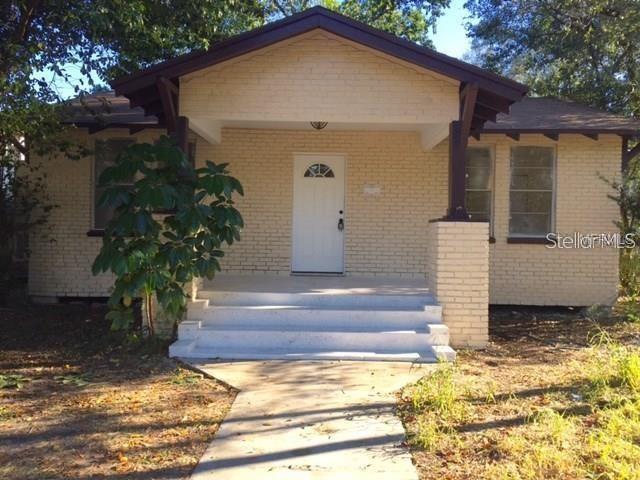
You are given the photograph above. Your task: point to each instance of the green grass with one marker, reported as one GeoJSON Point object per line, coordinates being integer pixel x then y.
{"type": "Point", "coordinates": [549, 449]}
{"type": "Point", "coordinates": [630, 272]}
{"type": "Point", "coordinates": [77, 380]}
{"type": "Point", "coordinates": [184, 377]}
{"type": "Point", "coordinates": [6, 413]}
{"type": "Point", "coordinates": [588, 430]}
{"type": "Point", "coordinates": [13, 381]}
{"type": "Point", "coordinates": [437, 395]}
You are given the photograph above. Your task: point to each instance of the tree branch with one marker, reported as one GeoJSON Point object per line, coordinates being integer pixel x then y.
{"type": "Point", "coordinates": [282, 10]}
{"type": "Point", "coordinates": [20, 34]}
{"type": "Point", "coordinates": [19, 146]}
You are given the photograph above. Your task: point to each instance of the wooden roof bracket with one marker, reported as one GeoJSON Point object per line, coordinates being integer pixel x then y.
{"type": "Point", "coordinates": [513, 136]}
{"type": "Point", "coordinates": [468, 98]}
{"type": "Point", "coordinates": [169, 97]}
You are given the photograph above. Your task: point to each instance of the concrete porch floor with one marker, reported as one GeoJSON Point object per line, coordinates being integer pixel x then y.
{"type": "Point", "coordinates": [318, 285]}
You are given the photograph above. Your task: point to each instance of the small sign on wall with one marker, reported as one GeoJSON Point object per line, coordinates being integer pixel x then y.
{"type": "Point", "coordinates": [372, 189]}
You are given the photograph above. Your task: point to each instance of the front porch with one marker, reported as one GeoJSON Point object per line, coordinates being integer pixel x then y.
{"type": "Point", "coordinates": [314, 318]}
{"type": "Point", "coordinates": [348, 148]}
{"type": "Point", "coordinates": [349, 317]}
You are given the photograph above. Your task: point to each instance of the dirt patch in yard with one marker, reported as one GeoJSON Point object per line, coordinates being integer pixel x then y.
{"type": "Point", "coordinates": [542, 401]}
{"type": "Point", "coordinates": [77, 404]}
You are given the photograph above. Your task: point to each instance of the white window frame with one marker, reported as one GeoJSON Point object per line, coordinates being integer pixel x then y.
{"type": "Point", "coordinates": [492, 179]}
{"type": "Point", "coordinates": [554, 168]}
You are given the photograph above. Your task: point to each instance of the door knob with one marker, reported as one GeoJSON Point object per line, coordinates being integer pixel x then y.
{"type": "Point", "coordinates": [341, 224]}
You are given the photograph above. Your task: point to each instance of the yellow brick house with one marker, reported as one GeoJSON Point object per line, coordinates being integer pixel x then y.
{"type": "Point", "coordinates": [392, 193]}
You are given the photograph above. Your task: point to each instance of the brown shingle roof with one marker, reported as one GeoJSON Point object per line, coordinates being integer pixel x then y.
{"type": "Point", "coordinates": [545, 114]}
{"type": "Point", "coordinates": [105, 109]}
{"type": "Point", "coordinates": [534, 115]}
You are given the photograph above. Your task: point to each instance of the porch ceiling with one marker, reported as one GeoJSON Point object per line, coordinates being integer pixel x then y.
{"type": "Point", "coordinates": [431, 134]}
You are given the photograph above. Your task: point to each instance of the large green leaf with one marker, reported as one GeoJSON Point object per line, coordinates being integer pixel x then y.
{"type": "Point", "coordinates": [151, 257]}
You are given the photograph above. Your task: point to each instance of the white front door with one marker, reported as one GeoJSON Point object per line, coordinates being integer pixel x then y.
{"type": "Point", "coordinates": [318, 213]}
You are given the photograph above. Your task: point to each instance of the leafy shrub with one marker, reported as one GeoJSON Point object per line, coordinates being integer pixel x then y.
{"type": "Point", "coordinates": [630, 272]}
{"type": "Point", "coordinates": [169, 227]}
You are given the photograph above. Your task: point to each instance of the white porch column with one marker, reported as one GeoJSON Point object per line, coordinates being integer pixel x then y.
{"type": "Point", "coordinates": [458, 276]}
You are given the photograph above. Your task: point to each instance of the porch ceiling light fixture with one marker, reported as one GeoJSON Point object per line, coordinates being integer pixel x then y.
{"type": "Point", "coordinates": [318, 125]}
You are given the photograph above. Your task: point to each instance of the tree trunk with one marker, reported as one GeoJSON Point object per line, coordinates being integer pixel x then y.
{"type": "Point", "coordinates": [149, 327]}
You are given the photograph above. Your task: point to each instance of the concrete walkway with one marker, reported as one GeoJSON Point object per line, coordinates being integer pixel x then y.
{"type": "Point", "coordinates": [310, 420]}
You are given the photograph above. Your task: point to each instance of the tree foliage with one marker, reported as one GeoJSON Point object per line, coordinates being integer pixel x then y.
{"type": "Point", "coordinates": [626, 193]}
{"type": "Point", "coordinates": [45, 40]}
{"type": "Point", "coordinates": [169, 227]}
{"type": "Point", "coordinates": [45, 43]}
{"type": "Point", "coordinates": [410, 19]}
{"type": "Point", "coordinates": [583, 50]}
{"type": "Point", "coordinates": [24, 204]}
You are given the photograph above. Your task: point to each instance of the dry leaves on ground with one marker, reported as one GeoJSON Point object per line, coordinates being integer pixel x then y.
{"type": "Point", "coordinates": [99, 412]}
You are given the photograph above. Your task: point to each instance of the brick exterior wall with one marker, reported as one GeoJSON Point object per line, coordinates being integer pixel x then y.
{"type": "Point", "coordinates": [318, 76]}
{"type": "Point", "coordinates": [62, 253]}
{"type": "Point", "coordinates": [385, 233]}
{"type": "Point", "coordinates": [535, 274]}
{"type": "Point", "coordinates": [458, 275]}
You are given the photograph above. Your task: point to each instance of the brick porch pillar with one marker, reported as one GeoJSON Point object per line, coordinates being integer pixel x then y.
{"type": "Point", "coordinates": [458, 276]}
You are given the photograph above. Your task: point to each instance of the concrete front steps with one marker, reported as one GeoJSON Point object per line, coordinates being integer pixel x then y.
{"type": "Point", "coordinates": [307, 326]}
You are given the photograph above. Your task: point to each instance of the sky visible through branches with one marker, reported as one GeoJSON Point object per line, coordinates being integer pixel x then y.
{"type": "Point", "coordinates": [450, 38]}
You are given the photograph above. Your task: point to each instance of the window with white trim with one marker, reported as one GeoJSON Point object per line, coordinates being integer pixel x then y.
{"type": "Point", "coordinates": [531, 193]}
{"type": "Point", "coordinates": [105, 154]}
{"type": "Point", "coordinates": [479, 183]}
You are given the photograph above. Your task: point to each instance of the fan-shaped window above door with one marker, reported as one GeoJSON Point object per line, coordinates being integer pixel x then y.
{"type": "Point", "coordinates": [319, 170]}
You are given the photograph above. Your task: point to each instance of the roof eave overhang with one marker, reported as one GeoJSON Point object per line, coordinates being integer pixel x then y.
{"type": "Point", "coordinates": [496, 92]}
{"type": "Point", "coordinates": [576, 131]}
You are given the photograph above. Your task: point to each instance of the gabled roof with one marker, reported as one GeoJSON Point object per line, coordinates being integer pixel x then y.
{"type": "Point", "coordinates": [496, 93]}
{"type": "Point", "coordinates": [319, 17]}
{"type": "Point", "coordinates": [552, 115]}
